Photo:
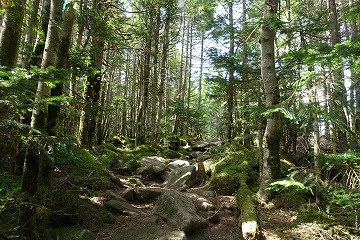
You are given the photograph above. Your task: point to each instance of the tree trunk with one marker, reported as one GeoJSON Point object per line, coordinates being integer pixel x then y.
{"type": "Point", "coordinates": [230, 85]}
{"type": "Point", "coordinates": [92, 84]}
{"type": "Point", "coordinates": [9, 47]}
{"type": "Point", "coordinates": [164, 59]}
{"type": "Point", "coordinates": [270, 156]}
{"type": "Point", "coordinates": [245, 79]}
{"type": "Point", "coordinates": [339, 101]}
{"type": "Point", "coordinates": [38, 49]}
{"type": "Point", "coordinates": [10, 33]}
{"type": "Point", "coordinates": [31, 33]}
{"type": "Point", "coordinates": [38, 166]}
{"type": "Point", "coordinates": [67, 28]}
{"type": "Point", "coordinates": [154, 93]}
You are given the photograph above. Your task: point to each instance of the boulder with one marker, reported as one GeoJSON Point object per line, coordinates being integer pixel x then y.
{"type": "Point", "coordinates": [178, 163]}
{"type": "Point", "coordinates": [153, 166]}
{"type": "Point", "coordinates": [200, 202]}
{"type": "Point", "coordinates": [208, 193]}
{"type": "Point", "coordinates": [130, 195]}
{"type": "Point", "coordinates": [142, 195]}
{"type": "Point", "coordinates": [181, 177]}
{"type": "Point", "coordinates": [151, 232]}
{"type": "Point", "coordinates": [109, 195]}
{"type": "Point", "coordinates": [202, 146]}
{"type": "Point", "coordinates": [179, 210]}
{"type": "Point", "coordinates": [136, 181]}
{"type": "Point", "coordinates": [122, 207]}
{"type": "Point", "coordinates": [224, 184]}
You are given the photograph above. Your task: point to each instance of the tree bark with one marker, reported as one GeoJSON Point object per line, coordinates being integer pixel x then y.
{"type": "Point", "coordinates": [9, 47]}
{"type": "Point", "coordinates": [230, 85]}
{"type": "Point", "coordinates": [38, 49]}
{"type": "Point", "coordinates": [271, 145]}
{"type": "Point", "coordinates": [31, 33]}
{"type": "Point", "coordinates": [339, 100]}
{"type": "Point", "coordinates": [64, 47]}
{"type": "Point", "coordinates": [10, 33]}
{"type": "Point", "coordinates": [92, 84]}
{"type": "Point", "coordinates": [38, 166]}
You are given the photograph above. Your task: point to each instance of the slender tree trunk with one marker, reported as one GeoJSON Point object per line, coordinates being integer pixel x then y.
{"type": "Point", "coordinates": [31, 33]}
{"type": "Point", "coordinates": [164, 59]}
{"type": "Point", "coordinates": [245, 79]}
{"type": "Point", "coordinates": [92, 84]}
{"type": "Point", "coordinates": [155, 81]}
{"type": "Point", "coordinates": [190, 57]}
{"type": "Point", "coordinates": [230, 85]}
{"type": "Point", "coordinates": [38, 167]}
{"type": "Point", "coordinates": [9, 46]}
{"type": "Point", "coordinates": [67, 28]}
{"type": "Point", "coordinates": [10, 33]}
{"type": "Point", "coordinates": [271, 145]}
{"type": "Point", "coordinates": [38, 49]}
{"type": "Point", "coordinates": [355, 88]}
{"type": "Point", "coordinates": [339, 94]}
{"type": "Point", "coordinates": [178, 92]}
{"type": "Point", "coordinates": [201, 71]}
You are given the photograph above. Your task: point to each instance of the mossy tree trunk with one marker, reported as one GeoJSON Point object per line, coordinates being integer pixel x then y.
{"type": "Point", "coordinates": [10, 33]}
{"type": "Point", "coordinates": [9, 47]}
{"type": "Point", "coordinates": [270, 164]}
{"type": "Point", "coordinates": [31, 33]}
{"type": "Point", "coordinates": [92, 84]}
{"type": "Point", "coordinates": [38, 167]}
{"type": "Point", "coordinates": [61, 62]}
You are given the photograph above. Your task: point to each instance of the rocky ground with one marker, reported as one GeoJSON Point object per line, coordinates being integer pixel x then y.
{"type": "Point", "coordinates": [169, 199]}
{"type": "Point", "coordinates": [135, 205]}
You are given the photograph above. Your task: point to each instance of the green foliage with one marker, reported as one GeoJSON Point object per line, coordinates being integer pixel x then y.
{"type": "Point", "coordinates": [9, 205]}
{"type": "Point", "coordinates": [288, 185]}
{"type": "Point", "coordinates": [285, 113]}
{"type": "Point", "coordinates": [343, 168]}
{"type": "Point", "coordinates": [86, 168]}
{"type": "Point", "coordinates": [129, 159]}
{"type": "Point", "coordinates": [346, 198]}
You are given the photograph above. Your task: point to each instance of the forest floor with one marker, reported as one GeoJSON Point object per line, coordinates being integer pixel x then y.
{"type": "Point", "coordinates": [226, 229]}
{"type": "Point", "coordinates": [277, 221]}
{"type": "Point", "coordinates": [289, 216]}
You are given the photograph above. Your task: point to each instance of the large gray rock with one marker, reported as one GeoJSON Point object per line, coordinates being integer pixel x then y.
{"type": "Point", "coordinates": [122, 207]}
{"type": "Point", "coordinates": [153, 166]}
{"type": "Point", "coordinates": [142, 195]}
{"type": "Point", "coordinates": [158, 164]}
{"type": "Point", "coordinates": [179, 210]}
{"type": "Point", "coordinates": [181, 177]}
{"type": "Point", "coordinates": [200, 202]}
{"type": "Point", "coordinates": [178, 163]}
{"type": "Point", "coordinates": [151, 233]}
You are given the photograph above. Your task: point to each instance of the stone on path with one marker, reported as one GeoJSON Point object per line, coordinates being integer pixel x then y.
{"type": "Point", "coordinates": [179, 210]}
{"type": "Point", "coordinates": [200, 202]}
{"type": "Point", "coordinates": [122, 207]}
{"type": "Point", "coordinates": [153, 166]}
{"type": "Point", "coordinates": [142, 195]}
{"type": "Point", "coordinates": [181, 177]}
{"type": "Point", "coordinates": [178, 163]}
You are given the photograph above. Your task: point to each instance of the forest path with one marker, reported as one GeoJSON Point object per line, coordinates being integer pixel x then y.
{"type": "Point", "coordinates": [225, 225]}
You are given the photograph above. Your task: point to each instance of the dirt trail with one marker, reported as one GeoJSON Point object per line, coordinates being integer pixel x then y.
{"type": "Point", "coordinates": [224, 225]}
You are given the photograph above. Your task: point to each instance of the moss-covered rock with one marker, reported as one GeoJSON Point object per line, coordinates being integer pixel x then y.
{"type": "Point", "coordinates": [224, 184]}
